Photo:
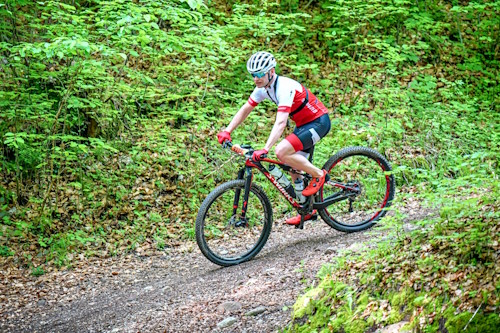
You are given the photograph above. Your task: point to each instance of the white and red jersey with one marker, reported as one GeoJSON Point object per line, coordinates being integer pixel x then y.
{"type": "Point", "coordinates": [289, 95]}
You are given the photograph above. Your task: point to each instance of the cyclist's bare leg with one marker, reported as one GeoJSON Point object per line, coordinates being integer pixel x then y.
{"type": "Point", "coordinates": [286, 153]}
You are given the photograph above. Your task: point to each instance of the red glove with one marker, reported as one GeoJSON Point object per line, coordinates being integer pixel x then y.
{"type": "Point", "coordinates": [257, 155]}
{"type": "Point", "coordinates": [223, 137]}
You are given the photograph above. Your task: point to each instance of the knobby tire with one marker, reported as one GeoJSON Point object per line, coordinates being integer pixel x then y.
{"type": "Point", "coordinates": [371, 171]}
{"type": "Point", "coordinates": [220, 240]}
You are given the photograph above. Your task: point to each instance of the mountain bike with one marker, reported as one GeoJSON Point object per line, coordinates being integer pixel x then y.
{"type": "Point", "coordinates": [235, 219]}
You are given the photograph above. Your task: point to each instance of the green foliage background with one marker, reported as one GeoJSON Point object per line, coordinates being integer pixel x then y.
{"type": "Point", "coordinates": [109, 109]}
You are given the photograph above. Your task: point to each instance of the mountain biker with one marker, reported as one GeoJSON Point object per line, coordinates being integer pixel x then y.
{"type": "Point", "coordinates": [294, 101]}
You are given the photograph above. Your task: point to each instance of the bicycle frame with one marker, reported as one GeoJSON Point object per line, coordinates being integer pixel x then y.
{"type": "Point", "coordinates": [247, 174]}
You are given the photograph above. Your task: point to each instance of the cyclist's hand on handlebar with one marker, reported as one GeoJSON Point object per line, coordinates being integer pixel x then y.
{"type": "Point", "coordinates": [223, 137]}
{"type": "Point", "coordinates": [259, 154]}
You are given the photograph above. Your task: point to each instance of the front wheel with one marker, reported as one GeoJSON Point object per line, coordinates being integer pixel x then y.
{"type": "Point", "coordinates": [223, 236]}
{"type": "Point", "coordinates": [364, 178]}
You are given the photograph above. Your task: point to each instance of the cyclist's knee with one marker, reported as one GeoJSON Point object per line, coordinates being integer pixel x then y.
{"type": "Point", "coordinates": [283, 150]}
{"type": "Point", "coordinates": [280, 154]}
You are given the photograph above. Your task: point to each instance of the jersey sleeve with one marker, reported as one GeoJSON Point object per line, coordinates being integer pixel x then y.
{"type": "Point", "coordinates": [257, 96]}
{"type": "Point", "coordinates": [285, 97]}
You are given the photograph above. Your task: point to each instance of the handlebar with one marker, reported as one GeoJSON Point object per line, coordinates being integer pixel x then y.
{"type": "Point", "coordinates": [243, 150]}
{"type": "Point", "coordinates": [246, 149]}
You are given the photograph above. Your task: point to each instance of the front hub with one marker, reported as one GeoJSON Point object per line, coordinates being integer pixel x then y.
{"type": "Point", "coordinates": [237, 221]}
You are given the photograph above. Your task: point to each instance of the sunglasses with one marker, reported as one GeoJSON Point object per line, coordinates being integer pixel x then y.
{"type": "Point", "coordinates": [259, 75]}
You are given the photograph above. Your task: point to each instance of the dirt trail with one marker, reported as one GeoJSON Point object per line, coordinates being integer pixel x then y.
{"type": "Point", "coordinates": [178, 290]}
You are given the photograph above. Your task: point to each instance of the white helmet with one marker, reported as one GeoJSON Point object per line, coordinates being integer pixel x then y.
{"type": "Point", "coordinates": [261, 62]}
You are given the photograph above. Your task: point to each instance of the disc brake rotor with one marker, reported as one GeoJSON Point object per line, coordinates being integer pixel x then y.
{"type": "Point", "coordinates": [236, 221]}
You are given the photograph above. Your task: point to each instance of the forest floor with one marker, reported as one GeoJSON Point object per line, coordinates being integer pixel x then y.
{"type": "Point", "coordinates": [177, 289]}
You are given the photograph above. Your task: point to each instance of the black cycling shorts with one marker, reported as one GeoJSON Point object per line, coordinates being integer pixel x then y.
{"type": "Point", "coordinates": [306, 136]}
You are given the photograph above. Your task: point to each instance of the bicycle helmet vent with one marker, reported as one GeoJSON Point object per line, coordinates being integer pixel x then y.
{"type": "Point", "coordinates": [261, 62]}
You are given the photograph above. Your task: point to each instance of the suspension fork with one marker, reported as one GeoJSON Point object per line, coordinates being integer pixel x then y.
{"type": "Point", "coordinates": [236, 201]}
{"type": "Point", "coordinates": [248, 184]}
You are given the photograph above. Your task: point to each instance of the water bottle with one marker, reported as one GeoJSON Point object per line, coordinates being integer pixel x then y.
{"type": "Point", "coordinates": [282, 180]}
{"type": "Point", "coordinates": [299, 187]}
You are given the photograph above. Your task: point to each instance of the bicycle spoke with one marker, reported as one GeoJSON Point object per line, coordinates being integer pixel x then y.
{"type": "Point", "coordinates": [366, 174]}
{"type": "Point", "coordinates": [230, 237]}
{"type": "Point", "coordinates": [367, 190]}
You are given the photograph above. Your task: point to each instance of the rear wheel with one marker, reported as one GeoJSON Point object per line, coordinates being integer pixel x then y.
{"type": "Point", "coordinates": [223, 236]}
{"type": "Point", "coordinates": [365, 177]}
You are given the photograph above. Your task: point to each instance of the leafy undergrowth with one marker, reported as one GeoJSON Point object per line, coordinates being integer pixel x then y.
{"type": "Point", "coordinates": [138, 198]}
{"type": "Point", "coordinates": [108, 114]}
{"type": "Point", "coordinates": [442, 277]}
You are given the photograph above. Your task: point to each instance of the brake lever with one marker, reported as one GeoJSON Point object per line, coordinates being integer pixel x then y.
{"type": "Point", "coordinates": [262, 156]}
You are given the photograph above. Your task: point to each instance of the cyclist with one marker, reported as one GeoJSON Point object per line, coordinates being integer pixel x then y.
{"type": "Point", "coordinates": [294, 101]}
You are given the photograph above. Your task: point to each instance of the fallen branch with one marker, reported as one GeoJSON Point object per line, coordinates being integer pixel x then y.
{"type": "Point", "coordinates": [473, 316]}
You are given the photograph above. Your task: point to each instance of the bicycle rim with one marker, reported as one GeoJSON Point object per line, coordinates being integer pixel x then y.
{"type": "Point", "coordinates": [223, 236]}
{"type": "Point", "coordinates": [366, 171]}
